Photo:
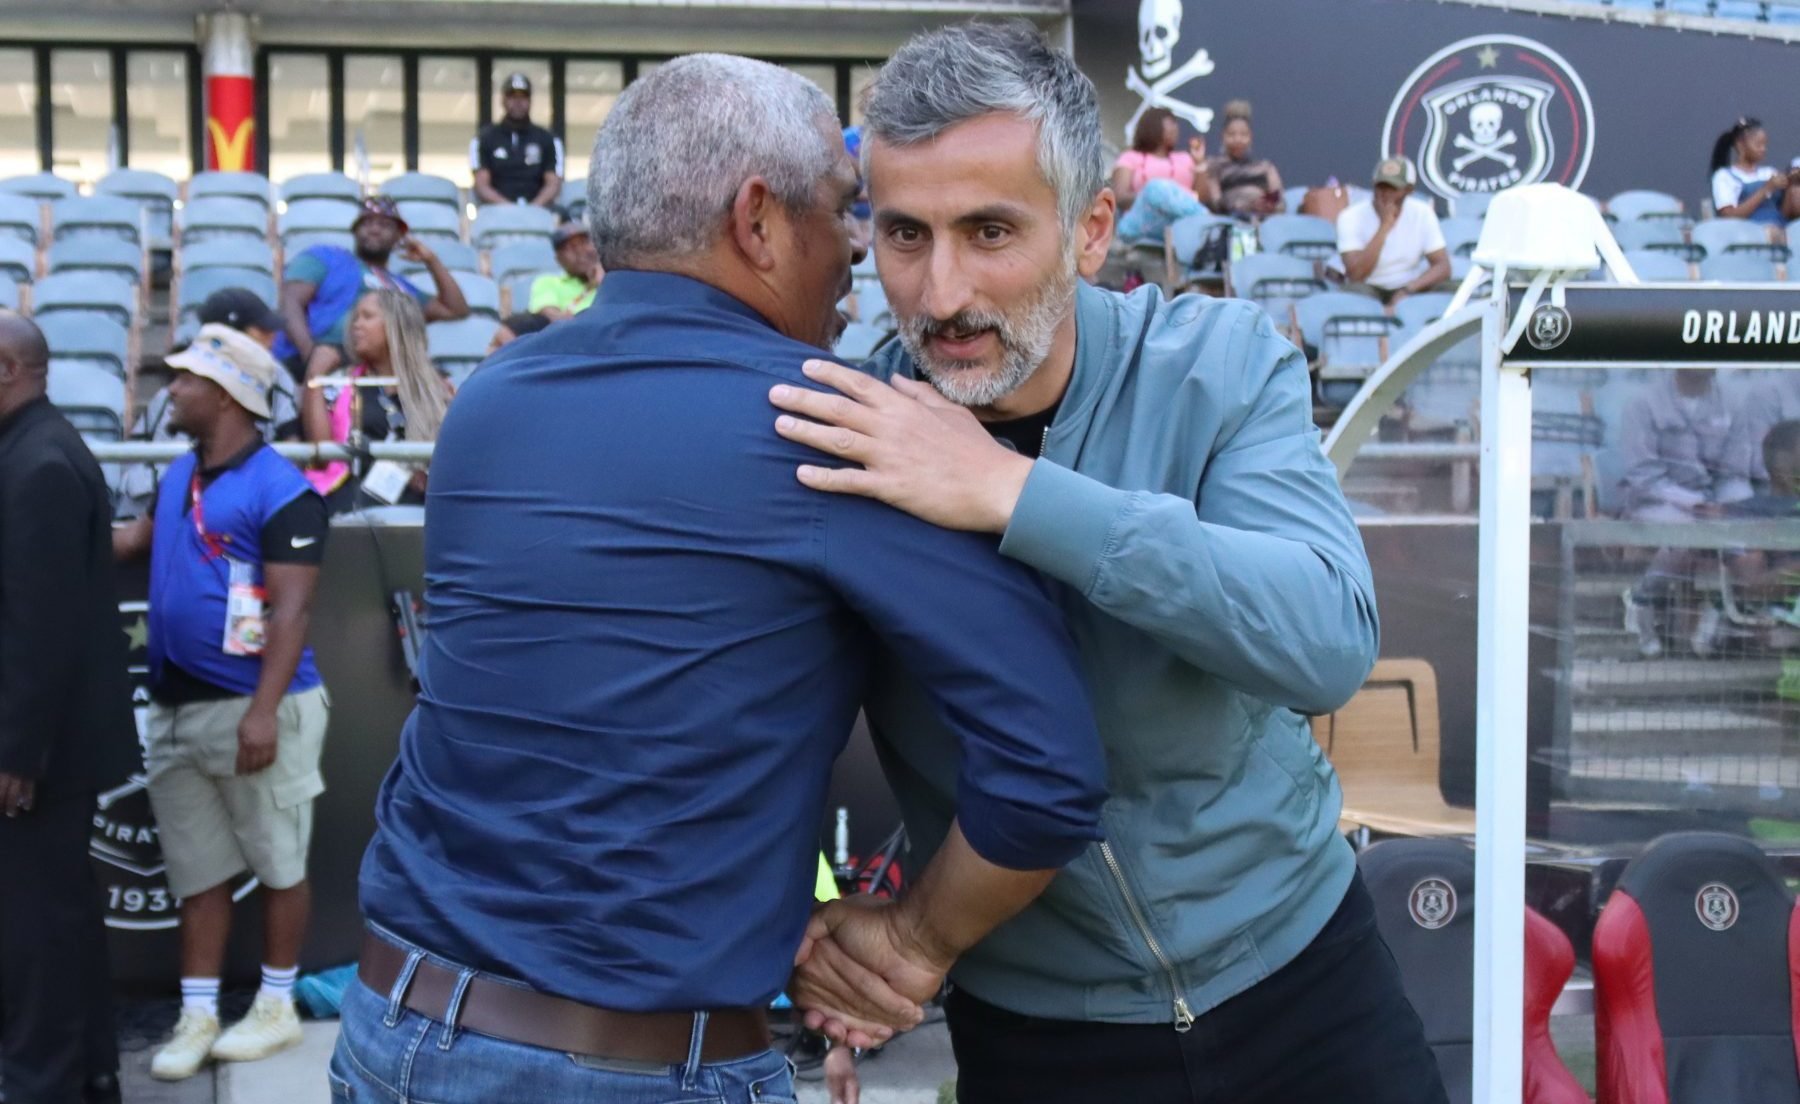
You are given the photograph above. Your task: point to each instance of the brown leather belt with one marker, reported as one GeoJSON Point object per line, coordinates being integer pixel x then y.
{"type": "Point", "coordinates": [521, 1015]}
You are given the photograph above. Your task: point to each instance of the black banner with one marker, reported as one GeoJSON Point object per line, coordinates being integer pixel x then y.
{"type": "Point", "coordinates": [1664, 324]}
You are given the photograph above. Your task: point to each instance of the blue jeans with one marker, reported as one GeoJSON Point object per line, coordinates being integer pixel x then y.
{"type": "Point", "coordinates": [388, 1054]}
{"type": "Point", "coordinates": [1160, 205]}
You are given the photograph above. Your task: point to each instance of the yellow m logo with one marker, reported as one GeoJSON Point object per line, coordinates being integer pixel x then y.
{"type": "Point", "coordinates": [233, 151]}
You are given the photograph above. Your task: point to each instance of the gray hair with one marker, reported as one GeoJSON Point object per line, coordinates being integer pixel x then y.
{"type": "Point", "coordinates": [948, 76]}
{"type": "Point", "coordinates": [675, 149]}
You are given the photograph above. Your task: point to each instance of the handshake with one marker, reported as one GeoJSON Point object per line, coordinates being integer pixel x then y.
{"type": "Point", "coordinates": [865, 970]}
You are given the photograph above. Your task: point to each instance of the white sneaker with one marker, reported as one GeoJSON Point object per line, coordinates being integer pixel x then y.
{"type": "Point", "coordinates": [1706, 632]}
{"type": "Point", "coordinates": [271, 1026]}
{"type": "Point", "coordinates": [1641, 620]}
{"type": "Point", "coordinates": [187, 1049]}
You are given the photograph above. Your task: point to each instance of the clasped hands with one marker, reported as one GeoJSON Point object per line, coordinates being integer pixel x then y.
{"type": "Point", "coordinates": [864, 971]}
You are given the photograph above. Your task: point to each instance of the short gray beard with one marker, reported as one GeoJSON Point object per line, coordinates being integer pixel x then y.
{"type": "Point", "coordinates": [1025, 334]}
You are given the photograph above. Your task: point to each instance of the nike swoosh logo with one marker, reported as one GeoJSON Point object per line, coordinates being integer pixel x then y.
{"type": "Point", "coordinates": [303, 542]}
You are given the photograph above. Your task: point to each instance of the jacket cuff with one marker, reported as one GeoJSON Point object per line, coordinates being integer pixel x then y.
{"type": "Point", "coordinates": [1063, 524]}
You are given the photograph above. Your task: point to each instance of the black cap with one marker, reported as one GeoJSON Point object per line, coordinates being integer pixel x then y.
{"type": "Point", "coordinates": [518, 82]}
{"type": "Point", "coordinates": [239, 308]}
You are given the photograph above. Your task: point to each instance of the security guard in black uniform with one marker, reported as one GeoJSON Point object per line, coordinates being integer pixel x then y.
{"type": "Point", "coordinates": [515, 160]}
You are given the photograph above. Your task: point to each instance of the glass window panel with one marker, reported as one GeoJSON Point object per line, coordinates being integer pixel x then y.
{"type": "Point", "coordinates": [590, 88]}
{"type": "Point", "coordinates": [82, 121]}
{"type": "Point", "coordinates": [537, 71]}
{"type": "Point", "coordinates": [447, 114]}
{"type": "Point", "coordinates": [159, 112]}
{"type": "Point", "coordinates": [18, 114]}
{"type": "Point", "coordinates": [299, 115]}
{"type": "Point", "coordinates": [374, 117]}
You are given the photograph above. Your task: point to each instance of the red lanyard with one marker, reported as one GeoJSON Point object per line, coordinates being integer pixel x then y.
{"type": "Point", "coordinates": [215, 547]}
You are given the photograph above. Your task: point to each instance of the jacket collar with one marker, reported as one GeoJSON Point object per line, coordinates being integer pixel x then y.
{"type": "Point", "coordinates": [24, 416]}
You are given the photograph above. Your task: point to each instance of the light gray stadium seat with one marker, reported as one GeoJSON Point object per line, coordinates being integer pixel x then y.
{"type": "Point", "coordinates": [1651, 265]}
{"type": "Point", "coordinates": [228, 253]}
{"type": "Point", "coordinates": [1738, 268]}
{"type": "Point", "coordinates": [1720, 237]}
{"type": "Point", "coordinates": [233, 185]}
{"type": "Point", "coordinates": [517, 258]}
{"type": "Point", "coordinates": [18, 259]}
{"type": "Point", "coordinates": [316, 216]}
{"type": "Point", "coordinates": [9, 292]}
{"type": "Point", "coordinates": [416, 187]}
{"type": "Point", "coordinates": [1301, 236]}
{"type": "Point", "coordinates": [46, 187]}
{"type": "Point", "coordinates": [1644, 204]}
{"type": "Point", "coordinates": [1345, 328]}
{"type": "Point", "coordinates": [1658, 235]}
{"type": "Point", "coordinates": [320, 186]}
{"type": "Point", "coordinates": [458, 347]}
{"type": "Point", "coordinates": [499, 224]}
{"type": "Point", "coordinates": [89, 253]}
{"type": "Point", "coordinates": [433, 222]}
{"type": "Point", "coordinates": [88, 336]}
{"type": "Point", "coordinates": [113, 216]}
{"type": "Point", "coordinates": [223, 216]}
{"type": "Point", "coordinates": [1187, 235]}
{"type": "Point", "coordinates": [520, 289]}
{"type": "Point", "coordinates": [480, 292]}
{"type": "Point", "coordinates": [573, 199]}
{"type": "Point", "coordinates": [858, 340]}
{"type": "Point", "coordinates": [1275, 282]}
{"type": "Point", "coordinates": [21, 217]}
{"type": "Point", "coordinates": [198, 285]}
{"type": "Point", "coordinates": [1294, 196]}
{"type": "Point", "coordinates": [1418, 311]}
{"type": "Point", "coordinates": [154, 192]}
{"type": "Point", "coordinates": [1460, 235]}
{"type": "Point", "coordinates": [98, 291]}
{"type": "Point", "coordinates": [299, 243]}
{"type": "Point", "coordinates": [91, 396]}
{"type": "Point", "coordinates": [457, 257]}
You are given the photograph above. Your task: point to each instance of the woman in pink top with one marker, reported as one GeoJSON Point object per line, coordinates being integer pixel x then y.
{"type": "Point", "coordinates": [1156, 184]}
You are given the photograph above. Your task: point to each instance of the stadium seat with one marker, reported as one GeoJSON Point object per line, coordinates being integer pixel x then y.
{"type": "Point", "coordinates": [1785, 14]}
{"type": "Point", "coordinates": [1385, 747]}
{"type": "Point", "coordinates": [87, 253]}
{"type": "Point", "coordinates": [858, 341]}
{"type": "Point", "coordinates": [1299, 236]}
{"type": "Point", "coordinates": [573, 199]}
{"type": "Point", "coordinates": [228, 253]}
{"type": "Point", "coordinates": [326, 185]}
{"type": "Point", "coordinates": [1419, 311]}
{"type": "Point", "coordinates": [91, 396]}
{"type": "Point", "coordinates": [1184, 239]}
{"type": "Point", "coordinates": [18, 259]}
{"type": "Point", "coordinates": [1274, 282]}
{"type": "Point", "coordinates": [1460, 235]}
{"type": "Point", "coordinates": [1656, 235]}
{"type": "Point", "coordinates": [458, 347]}
{"type": "Point", "coordinates": [499, 224]}
{"type": "Point", "coordinates": [518, 290]}
{"type": "Point", "coordinates": [1696, 962]}
{"type": "Point", "coordinates": [420, 188]}
{"type": "Point", "coordinates": [316, 216]}
{"type": "Point", "coordinates": [223, 216]}
{"type": "Point", "coordinates": [96, 291]}
{"type": "Point", "coordinates": [113, 216]}
{"type": "Point", "coordinates": [44, 187]}
{"type": "Point", "coordinates": [154, 192]}
{"type": "Point", "coordinates": [432, 222]}
{"type": "Point", "coordinates": [518, 258]}
{"type": "Point", "coordinates": [1753, 11]}
{"type": "Point", "coordinates": [9, 292]}
{"type": "Point", "coordinates": [300, 242]}
{"type": "Point", "coordinates": [1741, 268]}
{"type": "Point", "coordinates": [457, 257]}
{"type": "Point", "coordinates": [1654, 266]}
{"type": "Point", "coordinates": [1722, 236]}
{"type": "Point", "coordinates": [87, 336]}
{"type": "Point", "coordinates": [1642, 204]}
{"type": "Point", "coordinates": [21, 217]}
{"type": "Point", "coordinates": [1293, 197]}
{"type": "Point", "coordinates": [1424, 895]}
{"type": "Point", "coordinates": [232, 185]}
{"type": "Point", "coordinates": [1349, 331]}
{"type": "Point", "coordinates": [1474, 205]}
{"type": "Point", "coordinates": [197, 286]}
{"type": "Point", "coordinates": [480, 292]}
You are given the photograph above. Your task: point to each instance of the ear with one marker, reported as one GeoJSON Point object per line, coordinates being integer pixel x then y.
{"type": "Point", "coordinates": [753, 223]}
{"type": "Point", "coordinates": [1095, 234]}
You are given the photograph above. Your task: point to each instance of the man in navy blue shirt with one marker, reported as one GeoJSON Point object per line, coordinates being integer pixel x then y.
{"type": "Point", "coordinates": [595, 854]}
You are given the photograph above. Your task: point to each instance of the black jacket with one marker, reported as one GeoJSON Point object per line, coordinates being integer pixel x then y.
{"type": "Point", "coordinates": [65, 695]}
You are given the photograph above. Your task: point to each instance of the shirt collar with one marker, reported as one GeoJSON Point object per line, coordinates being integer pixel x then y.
{"type": "Point", "coordinates": [237, 460]}
{"type": "Point", "coordinates": [631, 287]}
{"type": "Point", "coordinates": [24, 415]}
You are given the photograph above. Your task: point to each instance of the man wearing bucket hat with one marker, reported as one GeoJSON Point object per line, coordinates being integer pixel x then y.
{"type": "Point", "coordinates": [320, 287]}
{"type": "Point", "coordinates": [515, 160]}
{"type": "Point", "coordinates": [237, 716]}
{"type": "Point", "coordinates": [1391, 243]}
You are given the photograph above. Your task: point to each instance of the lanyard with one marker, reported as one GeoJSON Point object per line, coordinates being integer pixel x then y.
{"type": "Point", "coordinates": [215, 547]}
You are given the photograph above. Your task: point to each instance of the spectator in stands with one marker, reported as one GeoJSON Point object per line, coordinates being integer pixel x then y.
{"type": "Point", "coordinates": [322, 284]}
{"type": "Point", "coordinates": [1763, 400]}
{"type": "Point", "coordinates": [515, 326]}
{"type": "Point", "coordinates": [1156, 184]}
{"type": "Point", "coordinates": [559, 297]}
{"type": "Point", "coordinates": [386, 339]}
{"type": "Point", "coordinates": [1242, 185]}
{"type": "Point", "coordinates": [1743, 187]}
{"type": "Point", "coordinates": [66, 733]}
{"type": "Point", "coordinates": [1391, 243]}
{"type": "Point", "coordinates": [515, 160]}
{"type": "Point", "coordinates": [1685, 458]}
{"type": "Point", "coordinates": [237, 714]}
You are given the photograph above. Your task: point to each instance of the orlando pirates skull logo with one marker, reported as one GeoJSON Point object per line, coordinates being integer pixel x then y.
{"type": "Point", "coordinates": [1549, 327]}
{"type": "Point", "coordinates": [1717, 906]}
{"type": "Point", "coordinates": [1159, 33]}
{"type": "Point", "coordinates": [1432, 903]}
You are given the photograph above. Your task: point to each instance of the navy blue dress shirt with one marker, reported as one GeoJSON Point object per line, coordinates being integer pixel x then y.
{"type": "Point", "coordinates": [647, 643]}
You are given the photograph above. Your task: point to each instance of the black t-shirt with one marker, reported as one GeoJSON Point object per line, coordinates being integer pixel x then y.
{"type": "Point", "coordinates": [1025, 436]}
{"type": "Point", "coordinates": [516, 158]}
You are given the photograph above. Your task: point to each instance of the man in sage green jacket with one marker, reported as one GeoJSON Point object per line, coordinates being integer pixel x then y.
{"type": "Point", "coordinates": [1157, 462]}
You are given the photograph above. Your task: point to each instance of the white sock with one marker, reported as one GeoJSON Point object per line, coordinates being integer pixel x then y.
{"type": "Point", "coordinates": [201, 994]}
{"type": "Point", "coordinates": [279, 983]}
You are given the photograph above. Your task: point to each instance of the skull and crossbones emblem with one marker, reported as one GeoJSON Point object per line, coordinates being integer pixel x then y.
{"type": "Point", "coordinates": [1484, 142]}
{"type": "Point", "coordinates": [1159, 31]}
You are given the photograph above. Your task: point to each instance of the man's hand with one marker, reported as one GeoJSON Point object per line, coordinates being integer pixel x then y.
{"type": "Point", "coordinates": [919, 451]}
{"type": "Point", "coordinates": [324, 360]}
{"type": "Point", "coordinates": [1388, 210]}
{"type": "Point", "coordinates": [863, 974]}
{"type": "Point", "coordinates": [417, 251]}
{"type": "Point", "coordinates": [16, 794]}
{"type": "Point", "coordinates": [256, 740]}
{"type": "Point", "coordinates": [841, 1082]}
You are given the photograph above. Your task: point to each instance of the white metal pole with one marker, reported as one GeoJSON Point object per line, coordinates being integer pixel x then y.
{"type": "Point", "coordinates": [1502, 659]}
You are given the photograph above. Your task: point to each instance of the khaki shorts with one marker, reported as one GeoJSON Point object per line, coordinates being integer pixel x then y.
{"type": "Point", "coordinates": [215, 824]}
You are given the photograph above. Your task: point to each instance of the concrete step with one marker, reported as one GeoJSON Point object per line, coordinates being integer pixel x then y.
{"type": "Point", "coordinates": [1701, 722]}
{"type": "Point", "coordinates": [1634, 678]}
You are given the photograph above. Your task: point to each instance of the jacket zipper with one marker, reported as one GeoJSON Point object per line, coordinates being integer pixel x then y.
{"type": "Point", "coordinates": [1184, 1016]}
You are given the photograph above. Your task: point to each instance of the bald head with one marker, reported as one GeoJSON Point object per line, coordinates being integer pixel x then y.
{"type": "Point", "coordinates": [24, 361]}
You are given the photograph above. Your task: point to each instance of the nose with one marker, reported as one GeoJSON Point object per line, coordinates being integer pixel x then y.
{"type": "Point", "coordinates": [947, 292]}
